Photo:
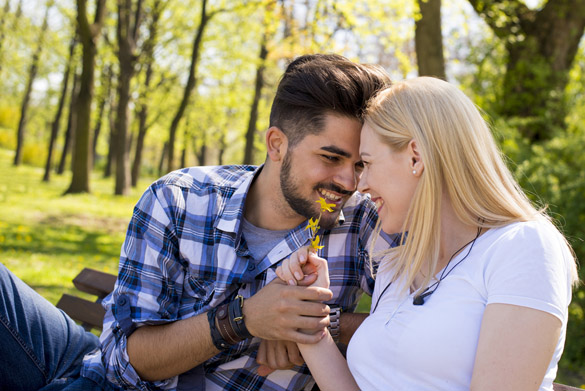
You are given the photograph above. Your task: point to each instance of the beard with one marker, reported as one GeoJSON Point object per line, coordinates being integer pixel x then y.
{"type": "Point", "coordinates": [306, 207]}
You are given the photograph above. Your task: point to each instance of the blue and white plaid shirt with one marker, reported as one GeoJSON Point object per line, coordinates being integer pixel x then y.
{"type": "Point", "coordinates": [183, 255]}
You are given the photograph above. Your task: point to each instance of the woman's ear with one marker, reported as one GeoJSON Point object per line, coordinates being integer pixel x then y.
{"type": "Point", "coordinates": [276, 143]}
{"type": "Point", "coordinates": [416, 163]}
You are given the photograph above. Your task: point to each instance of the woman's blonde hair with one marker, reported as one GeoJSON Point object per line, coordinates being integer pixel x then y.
{"type": "Point", "coordinates": [460, 158]}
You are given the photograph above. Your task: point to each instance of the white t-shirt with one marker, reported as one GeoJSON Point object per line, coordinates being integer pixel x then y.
{"type": "Point", "coordinates": [432, 347]}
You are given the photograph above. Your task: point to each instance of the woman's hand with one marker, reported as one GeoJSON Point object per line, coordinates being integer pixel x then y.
{"type": "Point", "coordinates": [304, 268]}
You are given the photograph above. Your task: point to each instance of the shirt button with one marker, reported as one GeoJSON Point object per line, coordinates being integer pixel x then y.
{"type": "Point", "coordinates": [251, 266]}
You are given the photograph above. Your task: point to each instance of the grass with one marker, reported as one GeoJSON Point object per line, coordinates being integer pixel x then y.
{"type": "Point", "coordinates": [47, 238]}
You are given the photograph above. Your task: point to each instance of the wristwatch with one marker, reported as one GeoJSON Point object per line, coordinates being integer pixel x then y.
{"type": "Point", "coordinates": [334, 318]}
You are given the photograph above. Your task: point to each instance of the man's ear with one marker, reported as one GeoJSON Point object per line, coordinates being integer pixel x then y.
{"type": "Point", "coordinates": [416, 163]}
{"type": "Point", "coordinates": [276, 143]}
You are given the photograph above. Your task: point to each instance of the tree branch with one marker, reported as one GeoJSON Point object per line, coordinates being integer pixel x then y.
{"type": "Point", "coordinates": [505, 17]}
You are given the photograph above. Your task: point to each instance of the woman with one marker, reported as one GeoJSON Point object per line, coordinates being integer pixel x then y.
{"type": "Point", "coordinates": [477, 295]}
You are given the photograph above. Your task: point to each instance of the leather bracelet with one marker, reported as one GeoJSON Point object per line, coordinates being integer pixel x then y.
{"type": "Point", "coordinates": [216, 337]}
{"type": "Point", "coordinates": [237, 318]}
{"type": "Point", "coordinates": [224, 324]}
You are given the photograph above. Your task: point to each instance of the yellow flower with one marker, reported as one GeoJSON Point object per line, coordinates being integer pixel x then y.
{"type": "Point", "coordinates": [324, 205]}
{"type": "Point", "coordinates": [315, 243]}
{"type": "Point", "coordinates": [312, 225]}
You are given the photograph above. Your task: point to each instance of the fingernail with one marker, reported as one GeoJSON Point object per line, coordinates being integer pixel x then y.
{"type": "Point", "coordinates": [291, 282]}
{"type": "Point", "coordinates": [298, 276]}
{"type": "Point", "coordinates": [303, 257]}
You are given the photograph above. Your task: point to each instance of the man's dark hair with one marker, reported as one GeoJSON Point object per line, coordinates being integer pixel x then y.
{"type": "Point", "coordinates": [319, 84]}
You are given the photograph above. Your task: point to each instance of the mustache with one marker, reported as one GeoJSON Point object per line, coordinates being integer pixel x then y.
{"type": "Point", "coordinates": [334, 188]}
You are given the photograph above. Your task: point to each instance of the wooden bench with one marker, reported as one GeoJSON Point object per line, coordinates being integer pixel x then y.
{"type": "Point", "coordinates": [91, 314]}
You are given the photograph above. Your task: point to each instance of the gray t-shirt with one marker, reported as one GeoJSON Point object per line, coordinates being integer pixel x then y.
{"type": "Point", "coordinates": [260, 241]}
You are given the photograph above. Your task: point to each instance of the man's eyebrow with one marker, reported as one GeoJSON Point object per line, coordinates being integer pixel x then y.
{"type": "Point", "coordinates": [336, 150]}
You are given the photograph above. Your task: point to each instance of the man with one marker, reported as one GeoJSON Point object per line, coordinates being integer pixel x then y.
{"type": "Point", "coordinates": [194, 306]}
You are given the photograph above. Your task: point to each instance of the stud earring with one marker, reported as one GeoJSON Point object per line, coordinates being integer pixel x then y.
{"type": "Point", "coordinates": [413, 172]}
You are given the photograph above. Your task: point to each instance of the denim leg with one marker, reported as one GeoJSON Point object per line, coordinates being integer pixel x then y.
{"type": "Point", "coordinates": [39, 343]}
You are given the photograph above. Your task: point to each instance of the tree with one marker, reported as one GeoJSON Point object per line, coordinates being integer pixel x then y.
{"type": "Point", "coordinates": [252, 130]}
{"type": "Point", "coordinates": [106, 84]}
{"type": "Point", "coordinates": [32, 74]}
{"type": "Point", "coordinates": [3, 19]}
{"type": "Point", "coordinates": [191, 82]}
{"type": "Point", "coordinates": [60, 105]}
{"type": "Point", "coordinates": [148, 55]}
{"type": "Point", "coordinates": [429, 40]}
{"type": "Point", "coordinates": [541, 46]}
{"type": "Point", "coordinates": [88, 36]}
{"type": "Point", "coordinates": [129, 20]}
{"type": "Point", "coordinates": [71, 124]}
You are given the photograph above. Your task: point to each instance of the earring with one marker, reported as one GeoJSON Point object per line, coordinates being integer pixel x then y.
{"type": "Point", "coordinates": [413, 172]}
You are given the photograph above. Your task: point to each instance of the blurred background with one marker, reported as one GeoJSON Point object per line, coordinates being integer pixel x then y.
{"type": "Point", "coordinates": [98, 99]}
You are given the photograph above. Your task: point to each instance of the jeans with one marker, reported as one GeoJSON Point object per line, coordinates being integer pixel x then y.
{"type": "Point", "coordinates": [40, 346]}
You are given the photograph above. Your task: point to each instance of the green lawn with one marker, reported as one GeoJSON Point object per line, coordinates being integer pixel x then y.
{"type": "Point", "coordinates": [47, 238]}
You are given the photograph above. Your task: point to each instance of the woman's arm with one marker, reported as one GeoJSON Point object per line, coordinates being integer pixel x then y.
{"type": "Point", "coordinates": [515, 347]}
{"type": "Point", "coordinates": [328, 366]}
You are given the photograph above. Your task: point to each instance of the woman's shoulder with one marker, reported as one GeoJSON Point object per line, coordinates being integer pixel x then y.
{"type": "Point", "coordinates": [538, 232]}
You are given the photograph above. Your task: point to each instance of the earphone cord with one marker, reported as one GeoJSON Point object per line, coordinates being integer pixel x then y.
{"type": "Point", "coordinates": [443, 275]}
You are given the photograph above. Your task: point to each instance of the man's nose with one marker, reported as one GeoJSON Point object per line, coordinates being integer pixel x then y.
{"type": "Point", "coordinates": [347, 178]}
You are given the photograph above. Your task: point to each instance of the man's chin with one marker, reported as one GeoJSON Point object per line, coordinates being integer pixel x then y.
{"type": "Point", "coordinates": [329, 219]}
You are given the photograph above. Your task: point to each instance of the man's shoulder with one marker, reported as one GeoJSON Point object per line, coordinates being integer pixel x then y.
{"type": "Point", "coordinates": [359, 206]}
{"type": "Point", "coordinates": [206, 176]}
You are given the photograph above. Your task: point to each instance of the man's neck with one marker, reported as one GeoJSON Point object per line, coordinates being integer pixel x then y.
{"type": "Point", "coordinates": [265, 204]}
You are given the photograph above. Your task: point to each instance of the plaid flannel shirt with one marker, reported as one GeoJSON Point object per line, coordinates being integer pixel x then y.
{"type": "Point", "coordinates": [184, 254]}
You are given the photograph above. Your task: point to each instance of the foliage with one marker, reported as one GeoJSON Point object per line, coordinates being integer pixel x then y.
{"type": "Point", "coordinates": [46, 239]}
{"type": "Point", "coordinates": [551, 174]}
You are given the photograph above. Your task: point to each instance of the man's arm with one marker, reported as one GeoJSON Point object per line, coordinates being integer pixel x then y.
{"type": "Point", "coordinates": [164, 351]}
{"type": "Point", "coordinates": [348, 324]}
{"type": "Point", "coordinates": [277, 311]}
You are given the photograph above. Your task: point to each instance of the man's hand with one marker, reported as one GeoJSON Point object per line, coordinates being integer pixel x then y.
{"type": "Point", "coordinates": [278, 311]}
{"type": "Point", "coordinates": [274, 355]}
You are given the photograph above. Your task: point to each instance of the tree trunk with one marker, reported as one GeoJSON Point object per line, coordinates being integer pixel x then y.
{"type": "Point", "coordinates": [186, 137]}
{"type": "Point", "coordinates": [428, 40]}
{"type": "Point", "coordinates": [541, 47]}
{"type": "Point", "coordinates": [191, 82]}
{"type": "Point", "coordinates": [60, 105]}
{"type": "Point", "coordinates": [32, 74]}
{"type": "Point", "coordinates": [110, 163]}
{"type": "Point", "coordinates": [71, 124]}
{"type": "Point", "coordinates": [3, 19]}
{"type": "Point", "coordinates": [106, 86]}
{"type": "Point", "coordinates": [129, 20]}
{"type": "Point", "coordinates": [163, 155]}
{"type": "Point", "coordinates": [143, 106]}
{"type": "Point", "coordinates": [88, 35]}
{"type": "Point", "coordinates": [222, 148]}
{"type": "Point", "coordinates": [251, 132]}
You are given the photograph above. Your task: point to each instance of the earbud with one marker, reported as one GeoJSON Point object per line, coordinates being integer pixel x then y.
{"type": "Point", "coordinates": [420, 299]}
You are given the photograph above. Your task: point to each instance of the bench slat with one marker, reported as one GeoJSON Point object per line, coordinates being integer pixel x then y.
{"type": "Point", "coordinates": [85, 311]}
{"type": "Point", "coordinates": [562, 387]}
{"type": "Point", "coordinates": [95, 282]}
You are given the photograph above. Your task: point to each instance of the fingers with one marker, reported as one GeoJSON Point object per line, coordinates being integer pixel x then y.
{"type": "Point", "coordinates": [322, 270]}
{"type": "Point", "coordinates": [290, 271]}
{"type": "Point", "coordinates": [313, 293]}
{"type": "Point", "coordinates": [277, 355]}
{"type": "Point", "coordinates": [264, 370]}
{"type": "Point", "coordinates": [294, 354]}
